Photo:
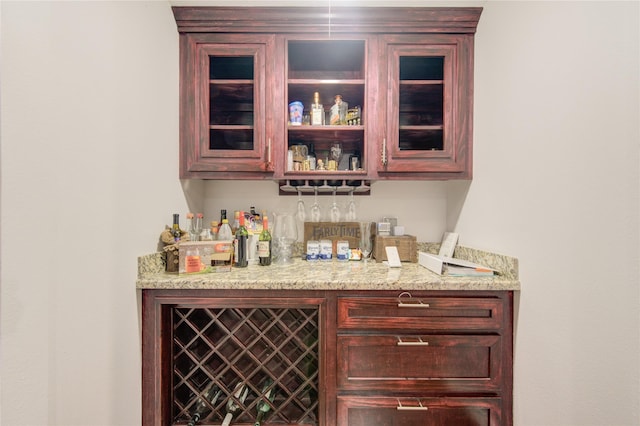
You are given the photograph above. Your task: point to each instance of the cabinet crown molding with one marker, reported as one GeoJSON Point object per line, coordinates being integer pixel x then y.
{"type": "Point", "coordinates": [335, 20]}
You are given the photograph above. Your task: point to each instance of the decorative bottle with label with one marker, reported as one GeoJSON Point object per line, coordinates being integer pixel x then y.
{"type": "Point", "coordinates": [241, 244]}
{"type": "Point", "coordinates": [317, 111]}
{"type": "Point", "coordinates": [264, 243]}
{"type": "Point", "coordinates": [175, 230]}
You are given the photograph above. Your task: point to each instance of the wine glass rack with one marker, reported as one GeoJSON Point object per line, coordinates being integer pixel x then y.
{"type": "Point", "coordinates": [231, 347]}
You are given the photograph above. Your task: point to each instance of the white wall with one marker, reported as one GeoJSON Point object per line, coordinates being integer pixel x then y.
{"type": "Point", "coordinates": [89, 130]}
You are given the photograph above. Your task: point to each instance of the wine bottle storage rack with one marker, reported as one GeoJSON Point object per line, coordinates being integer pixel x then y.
{"type": "Point", "coordinates": [229, 347]}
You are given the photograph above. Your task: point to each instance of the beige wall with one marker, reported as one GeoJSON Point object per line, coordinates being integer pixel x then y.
{"type": "Point", "coordinates": [89, 130]}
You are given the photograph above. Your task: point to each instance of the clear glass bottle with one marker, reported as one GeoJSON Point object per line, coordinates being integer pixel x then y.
{"type": "Point", "coordinates": [189, 227]}
{"type": "Point", "coordinates": [225, 234]}
{"type": "Point", "coordinates": [317, 111]}
{"type": "Point", "coordinates": [197, 227]}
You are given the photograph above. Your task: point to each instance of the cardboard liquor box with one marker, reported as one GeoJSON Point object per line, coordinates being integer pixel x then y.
{"type": "Point", "coordinates": [406, 244]}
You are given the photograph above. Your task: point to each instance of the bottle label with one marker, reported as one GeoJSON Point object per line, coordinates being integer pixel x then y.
{"type": "Point", "coordinates": [192, 264]}
{"type": "Point", "coordinates": [263, 249]}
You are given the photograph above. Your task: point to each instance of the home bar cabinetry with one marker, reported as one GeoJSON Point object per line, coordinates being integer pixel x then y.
{"type": "Point", "coordinates": [405, 76]}
{"type": "Point", "coordinates": [337, 344]}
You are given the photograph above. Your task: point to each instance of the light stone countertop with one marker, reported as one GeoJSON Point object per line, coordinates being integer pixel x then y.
{"type": "Point", "coordinates": [334, 275]}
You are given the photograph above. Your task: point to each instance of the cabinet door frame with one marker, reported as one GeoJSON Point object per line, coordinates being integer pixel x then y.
{"type": "Point", "coordinates": [197, 160]}
{"type": "Point", "coordinates": [455, 159]}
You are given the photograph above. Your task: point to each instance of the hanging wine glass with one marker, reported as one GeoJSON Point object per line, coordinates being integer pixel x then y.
{"type": "Point", "coordinates": [301, 213]}
{"type": "Point", "coordinates": [315, 209]}
{"type": "Point", "coordinates": [351, 209]}
{"type": "Point", "coordinates": [334, 212]}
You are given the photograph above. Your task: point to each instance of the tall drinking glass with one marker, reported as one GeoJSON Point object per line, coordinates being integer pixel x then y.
{"type": "Point", "coordinates": [365, 240]}
{"type": "Point", "coordinates": [285, 234]}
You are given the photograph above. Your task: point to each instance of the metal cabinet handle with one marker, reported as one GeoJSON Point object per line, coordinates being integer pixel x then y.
{"type": "Point", "coordinates": [418, 304]}
{"type": "Point", "coordinates": [419, 407]}
{"type": "Point", "coordinates": [269, 152]}
{"type": "Point", "coordinates": [384, 151]}
{"type": "Point", "coordinates": [418, 342]}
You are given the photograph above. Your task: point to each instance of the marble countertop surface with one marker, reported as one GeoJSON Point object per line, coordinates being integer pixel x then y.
{"type": "Point", "coordinates": [333, 275]}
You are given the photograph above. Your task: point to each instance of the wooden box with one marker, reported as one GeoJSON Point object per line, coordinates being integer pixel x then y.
{"type": "Point", "coordinates": [345, 231]}
{"type": "Point", "coordinates": [406, 244]}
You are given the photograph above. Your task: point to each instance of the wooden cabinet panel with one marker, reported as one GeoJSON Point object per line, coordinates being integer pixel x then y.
{"type": "Point", "coordinates": [418, 411]}
{"type": "Point", "coordinates": [420, 313]}
{"type": "Point", "coordinates": [405, 363]}
{"type": "Point", "coordinates": [429, 105]}
{"type": "Point", "coordinates": [225, 105]}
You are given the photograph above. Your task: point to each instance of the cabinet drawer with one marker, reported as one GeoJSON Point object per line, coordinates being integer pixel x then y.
{"type": "Point", "coordinates": [427, 313]}
{"type": "Point", "coordinates": [433, 363]}
{"type": "Point", "coordinates": [366, 411]}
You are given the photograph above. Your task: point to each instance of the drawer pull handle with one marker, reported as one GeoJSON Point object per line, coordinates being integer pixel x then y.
{"type": "Point", "coordinates": [418, 304]}
{"type": "Point", "coordinates": [419, 407]}
{"type": "Point", "coordinates": [418, 342]}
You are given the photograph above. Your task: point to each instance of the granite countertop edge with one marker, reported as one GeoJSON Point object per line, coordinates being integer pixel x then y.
{"type": "Point", "coordinates": [335, 275]}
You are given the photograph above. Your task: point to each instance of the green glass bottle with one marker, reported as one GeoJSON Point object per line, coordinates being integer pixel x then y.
{"type": "Point", "coordinates": [264, 243]}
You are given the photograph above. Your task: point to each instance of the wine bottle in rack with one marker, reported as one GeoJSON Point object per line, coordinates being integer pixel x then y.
{"type": "Point", "coordinates": [208, 399]}
{"type": "Point", "coordinates": [233, 404]}
{"type": "Point", "coordinates": [264, 405]}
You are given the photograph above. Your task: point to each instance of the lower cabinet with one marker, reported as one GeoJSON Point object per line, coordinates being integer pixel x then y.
{"type": "Point", "coordinates": [427, 358]}
{"type": "Point", "coordinates": [326, 358]}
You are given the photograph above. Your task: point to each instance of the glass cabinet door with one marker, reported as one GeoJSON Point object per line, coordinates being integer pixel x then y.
{"type": "Point", "coordinates": [228, 108]}
{"type": "Point", "coordinates": [427, 112]}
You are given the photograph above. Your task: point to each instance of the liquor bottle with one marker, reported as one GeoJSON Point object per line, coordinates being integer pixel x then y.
{"type": "Point", "coordinates": [317, 111]}
{"type": "Point", "coordinates": [223, 215]}
{"type": "Point", "coordinates": [264, 405]}
{"type": "Point", "coordinates": [311, 156]}
{"type": "Point", "coordinates": [264, 243]}
{"type": "Point", "coordinates": [175, 230]}
{"type": "Point", "coordinates": [197, 226]}
{"type": "Point", "coordinates": [241, 243]}
{"type": "Point", "coordinates": [189, 227]}
{"type": "Point", "coordinates": [236, 221]}
{"type": "Point", "coordinates": [233, 404]}
{"type": "Point", "coordinates": [225, 234]}
{"type": "Point", "coordinates": [211, 396]}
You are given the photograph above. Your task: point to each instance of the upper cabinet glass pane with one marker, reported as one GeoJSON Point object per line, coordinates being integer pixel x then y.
{"type": "Point", "coordinates": [421, 68]}
{"type": "Point", "coordinates": [421, 109]}
{"type": "Point", "coordinates": [231, 102]}
{"type": "Point", "coordinates": [331, 59]}
{"type": "Point", "coordinates": [231, 67]}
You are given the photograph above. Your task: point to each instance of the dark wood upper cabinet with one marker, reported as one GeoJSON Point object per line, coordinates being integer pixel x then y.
{"type": "Point", "coordinates": [405, 73]}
